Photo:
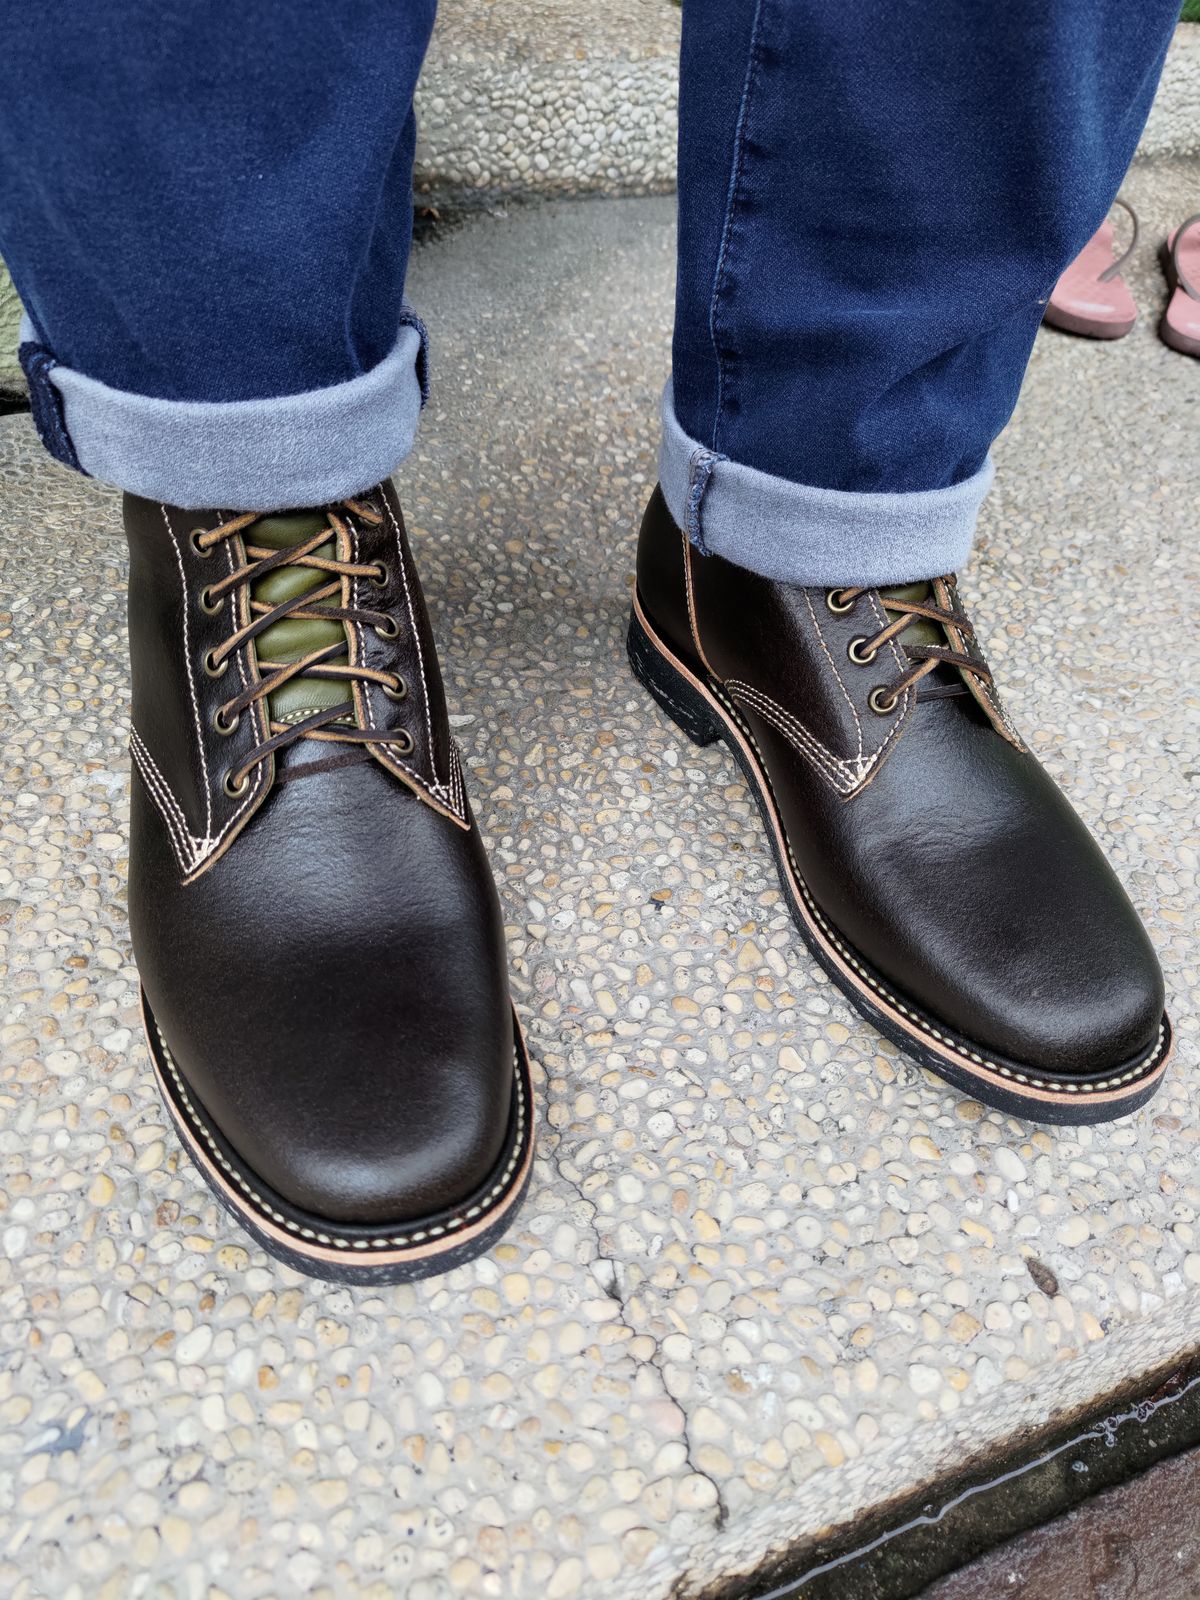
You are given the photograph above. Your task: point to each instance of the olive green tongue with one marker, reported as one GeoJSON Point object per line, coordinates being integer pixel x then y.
{"type": "Point", "coordinates": [919, 631]}
{"type": "Point", "coordinates": [294, 637]}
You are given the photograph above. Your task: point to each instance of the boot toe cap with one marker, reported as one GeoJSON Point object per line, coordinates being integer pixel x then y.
{"type": "Point", "coordinates": [367, 1138]}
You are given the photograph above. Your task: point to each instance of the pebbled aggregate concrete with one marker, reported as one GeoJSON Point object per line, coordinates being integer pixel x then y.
{"type": "Point", "coordinates": [769, 1273]}
{"type": "Point", "coordinates": [548, 97]}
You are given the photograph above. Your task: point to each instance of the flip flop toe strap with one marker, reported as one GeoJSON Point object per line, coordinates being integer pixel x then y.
{"type": "Point", "coordinates": [1111, 272]}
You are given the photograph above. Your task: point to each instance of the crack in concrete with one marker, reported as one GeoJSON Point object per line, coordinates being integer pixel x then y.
{"type": "Point", "coordinates": [610, 1281]}
{"type": "Point", "coordinates": [614, 1291]}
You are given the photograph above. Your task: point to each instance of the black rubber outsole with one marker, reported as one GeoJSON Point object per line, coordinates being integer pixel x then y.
{"type": "Point", "coordinates": [354, 1269]}
{"type": "Point", "coordinates": [705, 725]}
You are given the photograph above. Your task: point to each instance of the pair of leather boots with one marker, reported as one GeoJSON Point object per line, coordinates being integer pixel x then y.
{"type": "Point", "coordinates": [319, 938]}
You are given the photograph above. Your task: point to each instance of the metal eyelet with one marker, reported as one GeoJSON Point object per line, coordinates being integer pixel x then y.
{"type": "Point", "coordinates": [211, 669]}
{"type": "Point", "coordinates": [389, 631]}
{"type": "Point", "coordinates": [400, 692]}
{"type": "Point", "coordinates": [207, 604]}
{"type": "Point", "coordinates": [881, 701]}
{"type": "Point", "coordinates": [838, 608]}
{"type": "Point", "coordinates": [403, 740]}
{"type": "Point", "coordinates": [235, 791]}
{"type": "Point", "coordinates": [194, 540]}
{"type": "Point", "coordinates": [225, 725]}
{"type": "Point", "coordinates": [861, 657]}
{"type": "Point", "coordinates": [380, 576]}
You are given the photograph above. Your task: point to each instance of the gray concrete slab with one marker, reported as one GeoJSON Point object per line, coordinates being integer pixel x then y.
{"type": "Point", "coordinates": [769, 1274]}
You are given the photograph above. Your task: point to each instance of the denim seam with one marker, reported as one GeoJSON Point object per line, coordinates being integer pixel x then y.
{"type": "Point", "coordinates": [700, 471]}
{"type": "Point", "coordinates": [38, 363]}
{"type": "Point", "coordinates": [731, 207]}
{"type": "Point", "coordinates": [801, 533]}
{"type": "Point", "coordinates": [410, 319]}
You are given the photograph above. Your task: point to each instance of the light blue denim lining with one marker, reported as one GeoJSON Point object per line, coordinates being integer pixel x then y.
{"type": "Point", "coordinates": [247, 455]}
{"type": "Point", "coordinates": [821, 538]}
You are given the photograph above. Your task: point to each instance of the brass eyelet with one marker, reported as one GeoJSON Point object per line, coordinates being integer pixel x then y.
{"type": "Point", "coordinates": [861, 657]}
{"type": "Point", "coordinates": [194, 540]}
{"type": "Point", "coordinates": [210, 667]}
{"type": "Point", "coordinates": [881, 701]}
{"type": "Point", "coordinates": [235, 791]}
{"type": "Point", "coordinates": [380, 576]}
{"type": "Point", "coordinates": [207, 604]}
{"type": "Point", "coordinates": [388, 630]}
{"type": "Point", "coordinates": [838, 608]}
{"type": "Point", "coordinates": [400, 692]}
{"type": "Point", "coordinates": [225, 725]}
{"type": "Point", "coordinates": [403, 740]}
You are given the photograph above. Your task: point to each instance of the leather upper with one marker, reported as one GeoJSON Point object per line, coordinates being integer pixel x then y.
{"type": "Point", "coordinates": [931, 838]}
{"type": "Point", "coordinates": [324, 955]}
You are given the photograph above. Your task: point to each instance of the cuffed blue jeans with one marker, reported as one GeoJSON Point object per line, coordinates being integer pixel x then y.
{"type": "Point", "coordinates": [207, 213]}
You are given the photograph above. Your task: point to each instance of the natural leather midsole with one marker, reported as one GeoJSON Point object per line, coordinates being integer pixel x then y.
{"type": "Point", "coordinates": [333, 1242]}
{"type": "Point", "coordinates": [854, 967]}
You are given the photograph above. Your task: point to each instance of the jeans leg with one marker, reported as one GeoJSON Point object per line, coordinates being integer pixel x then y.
{"type": "Point", "coordinates": [875, 201]}
{"type": "Point", "coordinates": [207, 213]}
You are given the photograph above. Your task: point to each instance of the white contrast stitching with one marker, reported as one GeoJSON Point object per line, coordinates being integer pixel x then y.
{"type": "Point", "coordinates": [843, 775]}
{"type": "Point", "coordinates": [183, 843]}
{"type": "Point", "coordinates": [459, 785]}
{"type": "Point", "coordinates": [332, 1240]}
{"type": "Point", "coordinates": [440, 792]}
{"type": "Point", "coordinates": [860, 771]}
{"type": "Point", "coordinates": [263, 721]}
{"type": "Point", "coordinates": [837, 674]}
{"type": "Point", "coordinates": [135, 739]}
{"type": "Point", "coordinates": [187, 661]}
{"type": "Point", "coordinates": [412, 622]}
{"type": "Point", "coordinates": [1031, 1080]}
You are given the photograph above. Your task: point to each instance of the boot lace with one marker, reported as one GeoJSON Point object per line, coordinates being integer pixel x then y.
{"type": "Point", "coordinates": [923, 659]}
{"type": "Point", "coordinates": [337, 724]}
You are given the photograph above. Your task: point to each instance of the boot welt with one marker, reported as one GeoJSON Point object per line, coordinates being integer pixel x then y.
{"type": "Point", "coordinates": [342, 1253]}
{"type": "Point", "coordinates": [706, 715]}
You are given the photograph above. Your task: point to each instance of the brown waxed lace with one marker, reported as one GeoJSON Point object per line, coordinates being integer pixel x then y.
{"type": "Point", "coordinates": [924, 658]}
{"type": "Point", "coordinates": [329, 724]}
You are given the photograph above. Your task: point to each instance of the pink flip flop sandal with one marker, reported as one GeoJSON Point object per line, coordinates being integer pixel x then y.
{"type": "Point", "coordinates": [1091, 297]}
{"type": "Point", "coordinates": [1180, 324]}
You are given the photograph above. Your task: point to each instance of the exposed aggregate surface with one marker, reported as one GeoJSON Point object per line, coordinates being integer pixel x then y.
{"type": "Point", "coordinates": [768, 1273]}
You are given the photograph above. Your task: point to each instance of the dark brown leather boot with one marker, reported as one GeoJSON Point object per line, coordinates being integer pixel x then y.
{"type": "Point", "coordinates": [314, 920]}
{"type": "Point", "coordinates": [933, 868]}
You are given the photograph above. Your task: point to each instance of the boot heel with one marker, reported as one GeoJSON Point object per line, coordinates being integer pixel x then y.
{"type": "Point", "coordinates": [687, 709]}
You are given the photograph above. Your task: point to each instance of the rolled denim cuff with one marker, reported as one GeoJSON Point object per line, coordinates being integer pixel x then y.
{"type": "Point", "coordinates": [242, 455]}
{"type": "Point", "coordinates": [821, 538]}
